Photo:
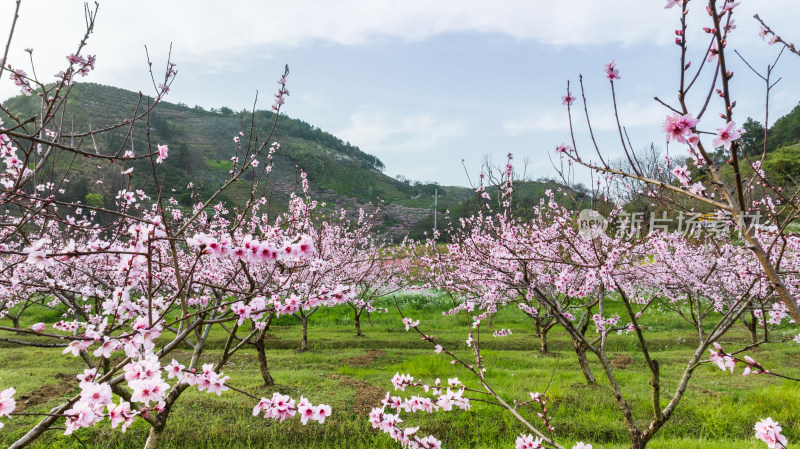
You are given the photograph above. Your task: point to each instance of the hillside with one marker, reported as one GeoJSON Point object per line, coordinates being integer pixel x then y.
{"type": "Point", "coordinates": [201, 146]}
{"type": "Point", "coordinates": [783, 133]}
{"type": "Point", "coordinates": [782, 162]}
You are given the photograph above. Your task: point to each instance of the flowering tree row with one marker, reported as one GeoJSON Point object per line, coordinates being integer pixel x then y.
{"type": "Point", "coordinates": [560, 271]}
{"type": "Point", "coordinates": [140, 278]}
{"type": "Point", "coordinates": [548, 271]}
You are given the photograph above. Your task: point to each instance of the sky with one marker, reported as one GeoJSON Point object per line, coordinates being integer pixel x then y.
{"type": "Point", "coordinates": [422, 84]}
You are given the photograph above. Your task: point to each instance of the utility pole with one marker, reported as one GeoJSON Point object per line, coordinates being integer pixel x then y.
{"type": "Point", "coordinates": [435, 206]}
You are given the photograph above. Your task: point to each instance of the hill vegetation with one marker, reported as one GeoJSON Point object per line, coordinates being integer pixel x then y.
{"type": "Point", "coordinates": [783, 146]}
{"type": "Point", "coordinates": [202, 144]}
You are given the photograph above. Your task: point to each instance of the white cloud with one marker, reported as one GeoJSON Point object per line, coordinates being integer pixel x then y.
{"type": "Point", "coordinates": [221, 35]}
{"type": "Point", "coordinates": [215, 45]}
{"type": "Point", "coordinates": [602, 117]}
{"type": "Point", "coordinates": [386, 134]}
{"type": "Point", "coordinates": [210, 25]}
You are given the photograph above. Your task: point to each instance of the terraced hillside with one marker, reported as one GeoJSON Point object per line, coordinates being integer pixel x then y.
{"type": "Point", "coordinates": [201, 146]}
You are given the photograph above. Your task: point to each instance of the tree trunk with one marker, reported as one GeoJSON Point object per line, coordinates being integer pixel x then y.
{"type": "Point", "coordinates": [153, 438]}
{"type": "Point", "coordinates": [584, 362]}
{"type": "Point", "coordinates": [752, 326]}
{"type": "Point", "coordinates": [304, 344]}
{"type": "Point", "coordinates": [262, 360]}
{"type": "Point", "coordinates": [637, 442]}
{"type": "Point", "coordinates": [542, 340]}
{"type": "Point", "coordinates": [157, 427]}
{"type": "Point", "coordinates": [358, 324]}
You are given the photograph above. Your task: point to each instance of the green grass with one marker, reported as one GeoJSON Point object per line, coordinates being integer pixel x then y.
{"type": "Point", "coordinates": [718, 410]}
{"type": "Point", "coordinates": [220, 165]}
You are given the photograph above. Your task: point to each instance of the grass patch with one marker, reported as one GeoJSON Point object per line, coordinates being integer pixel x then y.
{"type": "Point", "coordinates": [352, 374]}
{"type": "Point", "coordinates": [219, 165]}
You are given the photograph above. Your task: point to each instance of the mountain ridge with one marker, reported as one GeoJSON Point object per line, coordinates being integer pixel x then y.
{"type": "Point", "coordinates": [202, 144]}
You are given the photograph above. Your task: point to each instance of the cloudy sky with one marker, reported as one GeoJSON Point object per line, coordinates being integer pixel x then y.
{"type": "Point", "coordinates": [422, 84]}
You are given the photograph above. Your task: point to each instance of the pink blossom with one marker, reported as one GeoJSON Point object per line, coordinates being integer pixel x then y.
{"type": "Point", "coordinates": [76, 346]}
{"type": "Point", "coordinates": [87, 377]}
{"type": "Point", "coordinates": [769, 431]}
{"type": "Point", "coordinates": [778, 312]}
{"type": "Point", "coordinates": [401, 380]}
{"type": "Point", "coordinates": [321, 412]}
{"type": "Point", "coordinates": [568, 99]}
{"type": "Point", "coordinates": [38, 327]}
{"type": "Point", "coordinates": [76, 59]}
{"type": "Point", "coordinates": [410, 323]}
{"type": "Point", "coordinates": [682, 173]}
{"type": "Point", "coordinates": [611, 72]}
{"type": "Point", "coordinates": [7, 402]}
{"type": "Point", "coordinates": [713, 52]}
{"type": "Point", "coordinates": [528, 442]}
{"type": "Point", "coordinates": [163, 151]}
{"type": "Point", "coordinates": [262, 405]}
{"type": "Point", "coordinates": [729, 5]}
{"type": "Point", "coordinates": [693, 139]}
{"type": "Point", "coordinates": [109, 345]}
{"type": "Point", "coordinates": [280, 407]}
{"type": "Point", "coordinates": [306, 410]}
{"type": "Point", "coordinates": [175, 369]}
{"type": "Point", "coordinates": [121, 414]}
{"type": "Point", "coordinates": [726, 135]}
{"type": "Point", "coordinates": [82, 414]}
{"type": "Point", "coordinates": [723, 361]}
{"type": "Point", "coordinates": [679, 127]}
{"type": "Point", "coordinates": [503, 332]}
{"type": "Point", "coordinates": [670, 4]}
{"type": "Point", "coordinates": [148, 390]}
{"type": "Point", "coordinates": [96, 394]}
{"type": "Point", "coordinates": [215, 383]}
{"type": "Point", "coordinates": [189, 379]}
{"type": "Point", "coordinates": [697, 189]}
{"type": "Point", "coordinates": [582, 445]}
{"type": "Point", "coordinates": [13, 161]}
{"type": "Point", "coordinates": [305, 246]}
{"type": "Point", "coordinates": [748, 368]}
{"type": "Point", "coordinates": [40, 259]}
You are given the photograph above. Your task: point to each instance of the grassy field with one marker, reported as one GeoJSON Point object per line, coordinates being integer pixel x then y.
{"type": "Point", "coordinates": [352, 375]}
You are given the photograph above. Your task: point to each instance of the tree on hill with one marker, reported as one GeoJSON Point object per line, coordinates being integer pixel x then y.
{"type": "Point", "coordinates": [785, 132]}
{"type": "Point", "coordinates": [753, 136]}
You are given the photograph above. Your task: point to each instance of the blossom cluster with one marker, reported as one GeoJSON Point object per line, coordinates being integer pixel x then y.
{"type": "Point", "coordinates": [769, 431]}
{"type": "Point", "coordinates": [281, 407]}
{"type": "Point", "coordinates": [446, 398]}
